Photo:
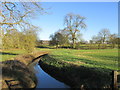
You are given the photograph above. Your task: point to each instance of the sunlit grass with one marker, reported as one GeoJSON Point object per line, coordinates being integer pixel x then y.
{"type": "Point", "coordinates": [102, 58]}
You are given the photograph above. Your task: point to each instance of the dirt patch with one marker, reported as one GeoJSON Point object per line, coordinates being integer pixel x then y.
{"type": "Point", "coordinates": [27, 58]}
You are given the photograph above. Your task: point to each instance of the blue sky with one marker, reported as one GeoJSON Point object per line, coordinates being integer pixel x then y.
{"type": "Point", "coordinates": [98, 15]}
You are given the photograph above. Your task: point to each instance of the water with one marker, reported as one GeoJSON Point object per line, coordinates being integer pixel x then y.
{"type": "Point", "coordinates": [45, 80]}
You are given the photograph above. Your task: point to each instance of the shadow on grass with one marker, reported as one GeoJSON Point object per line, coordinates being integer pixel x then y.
{"type": "Point", "coordinates": [42, 47]}
{"type": "Point", "coordinates": [77, 76]}
{"type": "Point", "coordinates": [4, 53]}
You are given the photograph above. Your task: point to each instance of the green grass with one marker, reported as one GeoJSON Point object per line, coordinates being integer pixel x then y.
{"type": "Point", "coordinates": [102, 58]}
{"type": "Point", "coordinates": [91, 68]}
{"type": "Point", "coordinates": [8, 54]}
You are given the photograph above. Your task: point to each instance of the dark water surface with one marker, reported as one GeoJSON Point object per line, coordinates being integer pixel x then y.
{"type": "Point", "coordinates": [46, 81]}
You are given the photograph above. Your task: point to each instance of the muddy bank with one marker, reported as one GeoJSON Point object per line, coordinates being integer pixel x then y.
{"type": "Point", "coordinates": [76, 76]}
{"type": "Point", "coordinates": [19, 75]}
{"type": "Point", "coordinates": [18, 72]}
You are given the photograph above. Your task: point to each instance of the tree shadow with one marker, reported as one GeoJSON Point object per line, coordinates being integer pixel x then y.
{"type": "Point", "coordinates": [42, 47]}
{"type": "Point", "coordinates": [5, 53]}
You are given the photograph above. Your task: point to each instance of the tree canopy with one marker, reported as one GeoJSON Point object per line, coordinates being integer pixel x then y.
{"type": "Point", "coordinates": [18, 13]}
{"type": "Point", "coordinates": [73, 24]}
{"type": "Point", "coordinates": [58, 39]}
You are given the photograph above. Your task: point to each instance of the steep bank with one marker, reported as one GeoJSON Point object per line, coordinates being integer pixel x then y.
{"type": "Point", "coordinates": [46, 81]}
{"type": "Point", "coordinates": [76, 76]}
{"type": "Point", "coordinates": [17, 73]}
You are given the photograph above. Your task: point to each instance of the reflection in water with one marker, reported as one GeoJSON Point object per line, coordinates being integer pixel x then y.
{"type": "Point", "coordinates": [45, 80]}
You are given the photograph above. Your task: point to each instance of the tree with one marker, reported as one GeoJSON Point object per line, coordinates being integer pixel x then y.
{"type": "Point", "coordinates": [39, 42]}
{"type": "Point", "coordinates": [113, 39]}
{"type": "Point", "coordinates": [20, 40]}
{"type": "Point", "coordinates": [91, 41]}
{"type": "Point", "coordinates": [15, 24]}
{"type": "Point", "coordinates": [74, 23]}
{"type": "Point", "coordinates": [58, 39]}
{"type": "Point", "coordinates": [97, 40]}
{"type": "Point", "coordinates": [104, 35]}
{"type": "Point", "coordinates": [11, 39]}
{"type": "Point", "coordinates": [28, 40]}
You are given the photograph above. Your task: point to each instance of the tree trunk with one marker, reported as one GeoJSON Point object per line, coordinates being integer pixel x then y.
{"type": "Point", "coordinates": [99, 46]}
{"type": "Point", "coordinates": [113, 45]}
{"type": "Point", "coordinates": [73, 43]}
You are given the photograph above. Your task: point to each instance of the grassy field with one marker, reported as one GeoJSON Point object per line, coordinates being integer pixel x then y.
{"type": "Point", "coordinates": [103, 58]}
{"type": "Point", "coordinates": [90, 68]}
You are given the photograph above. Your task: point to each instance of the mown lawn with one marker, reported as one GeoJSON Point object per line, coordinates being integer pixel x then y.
{"type": "Point", "coordinates": [102, 58]}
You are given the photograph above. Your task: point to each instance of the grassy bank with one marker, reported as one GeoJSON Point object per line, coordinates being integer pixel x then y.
{"type": "Point", "coordinates": [19, 73]}
{"type": "Point", "coordinates": [102, 58]}
{"type": "Point", "coordinates": [16, 66]}
{"type": "Point", "coordinates": [82, 68]}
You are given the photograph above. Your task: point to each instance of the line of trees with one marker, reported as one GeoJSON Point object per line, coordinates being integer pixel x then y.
{"type": "Point", "coordinates": [70, 35]}
{"type": "Point", "coordinates": [102, 40]}
{"type": "Point", "coordinates": [18, 32]}
{"type": "Point", "coordinates": [104, 37]}
{"type": "Point", "coordinates": [14, 39]}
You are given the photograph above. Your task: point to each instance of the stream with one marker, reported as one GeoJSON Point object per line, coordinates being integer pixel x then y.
{"type": "Point", "coordinates": [45, 80]}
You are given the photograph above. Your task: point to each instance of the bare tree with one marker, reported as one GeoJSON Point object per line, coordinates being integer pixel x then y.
{"type": "Point", "coordinates": [16, 14]}
{"type": "Point", "coordinates": [101, 38]}
{"type": "Point", "coordinates": [113, 39]}
{"type": "Point", "coordinates": [97, 40]}
{"type": "Point", "coordinates": [74, 23]}
{"type": "Point", "coordinates": [104, 34]}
